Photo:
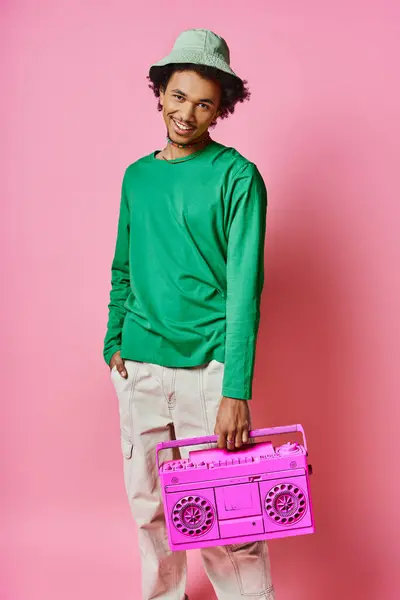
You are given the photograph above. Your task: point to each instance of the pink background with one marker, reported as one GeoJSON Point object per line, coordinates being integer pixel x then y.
{"type": "Point", "coordinates": [323, 127]}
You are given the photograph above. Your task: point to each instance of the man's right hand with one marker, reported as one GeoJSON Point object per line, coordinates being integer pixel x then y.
{"type": "Point", "coordinates": [117, 361]}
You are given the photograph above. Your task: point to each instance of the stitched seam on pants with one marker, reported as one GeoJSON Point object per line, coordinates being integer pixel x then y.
{"type": "Point", "coordinates": [172, 403]}
{"type": "Point", "coordinates": [130, 467]}
{"type": "Point", "coordinates": [239, 579]}
{"type": "Point", "coordinates": [270, 591]}
{"type": "Point", "coordinates": [204, 402]}
{"type": "Point", "coordinates": [264, 569]}
{"type": "Point", "coordinates": [162, 383]}
{"type": "Point", "coordinates": [130, 402]}
{"type": "Point", "coordinates": [174, 577]}
{"type": "Point", "coordinates": [229, 553]}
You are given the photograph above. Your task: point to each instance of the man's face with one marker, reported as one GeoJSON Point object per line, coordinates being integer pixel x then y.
{"type": "Point", "coordinates": [189, 101]}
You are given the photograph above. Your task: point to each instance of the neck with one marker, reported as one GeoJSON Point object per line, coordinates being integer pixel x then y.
{"type": "Point", "coordinates": [172, 151]}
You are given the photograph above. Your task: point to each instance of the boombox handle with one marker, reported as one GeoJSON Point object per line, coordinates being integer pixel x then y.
{"type": "Point", "coordinates": [214, 438]}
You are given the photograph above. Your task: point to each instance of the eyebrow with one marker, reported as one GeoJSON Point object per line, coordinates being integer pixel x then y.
{"type": "Point", "coordinates": [201, 100]}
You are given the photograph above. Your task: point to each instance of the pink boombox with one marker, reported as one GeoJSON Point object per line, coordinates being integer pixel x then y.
{"type": "Point", "coordinates": [218, 497]}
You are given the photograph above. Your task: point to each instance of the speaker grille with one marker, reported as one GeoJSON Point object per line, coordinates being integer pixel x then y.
{"type": "Point", "coordinates": [286, 504]}
{"type": "Point", "coordinates": [193, 516]}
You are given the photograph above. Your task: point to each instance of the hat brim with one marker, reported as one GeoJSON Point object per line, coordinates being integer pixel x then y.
{"type": "Point", "coordinates": [197, 58]}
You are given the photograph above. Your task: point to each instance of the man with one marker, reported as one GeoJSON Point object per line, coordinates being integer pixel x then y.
{"type": "Point", "coordinates": [186, 282]}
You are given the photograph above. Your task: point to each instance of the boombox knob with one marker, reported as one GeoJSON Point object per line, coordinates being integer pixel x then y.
{"type": "Point", "coordinates": [310, 471]}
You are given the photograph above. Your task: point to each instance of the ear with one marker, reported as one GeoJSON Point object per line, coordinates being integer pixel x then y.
{"type": "Point", "coordinates": [214, 121]}
{"type": "Point", "coordinates": [162, 94]}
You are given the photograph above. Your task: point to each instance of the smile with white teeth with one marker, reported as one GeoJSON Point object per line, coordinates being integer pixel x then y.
{"type": "Point", "coordinates": [183, 127]}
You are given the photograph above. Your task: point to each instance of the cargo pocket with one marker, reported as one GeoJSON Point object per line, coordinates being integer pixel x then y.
{"type": "Point", "coordinates": [128, 453]}
{"type": "Point", "coordinates": [126, 446]}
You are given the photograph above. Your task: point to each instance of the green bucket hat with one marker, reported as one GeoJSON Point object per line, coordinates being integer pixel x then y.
{"type": "Point", "coordinates": [201, 47]}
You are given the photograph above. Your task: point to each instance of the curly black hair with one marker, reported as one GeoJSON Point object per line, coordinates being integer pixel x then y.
{"type": "Point", "coordinates": [233, 90]}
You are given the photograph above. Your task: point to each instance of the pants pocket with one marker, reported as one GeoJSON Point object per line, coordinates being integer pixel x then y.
{"type": "Point", "coordinates": [125, 389]}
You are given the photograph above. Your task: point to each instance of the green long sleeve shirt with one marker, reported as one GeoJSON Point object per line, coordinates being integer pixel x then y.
{"type": "Point", "coordinates": [188, 267]}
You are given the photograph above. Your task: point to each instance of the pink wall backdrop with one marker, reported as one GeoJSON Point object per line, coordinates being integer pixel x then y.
{"type": "Point", "coordinates": [323, 127]}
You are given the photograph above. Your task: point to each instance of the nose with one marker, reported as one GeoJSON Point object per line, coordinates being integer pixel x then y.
{"type": "Point", "coordinates": [187, 112]}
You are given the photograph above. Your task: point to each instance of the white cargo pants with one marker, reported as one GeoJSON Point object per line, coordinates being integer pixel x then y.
{"type": "Point", "coordinates": [157, 404]}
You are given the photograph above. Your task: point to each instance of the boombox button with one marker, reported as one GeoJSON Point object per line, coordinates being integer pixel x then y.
{"type": "Point", "coordinates": [289, 448]}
